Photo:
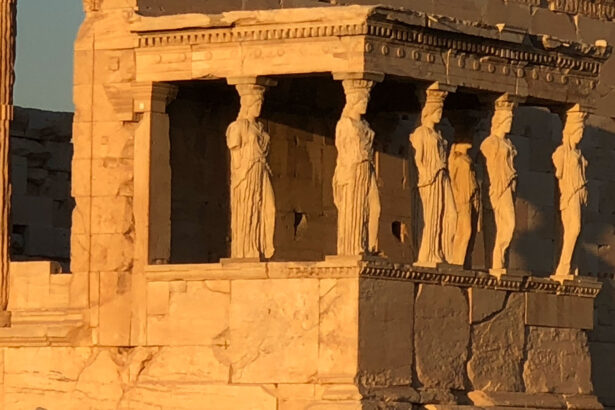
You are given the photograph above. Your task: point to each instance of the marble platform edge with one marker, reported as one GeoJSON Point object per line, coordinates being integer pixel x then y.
{"type": "Point", "coordinates": [337, 267]}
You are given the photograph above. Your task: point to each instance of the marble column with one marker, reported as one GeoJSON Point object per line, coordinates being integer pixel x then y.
{"type": "Point", "coordinates": [8, 11]}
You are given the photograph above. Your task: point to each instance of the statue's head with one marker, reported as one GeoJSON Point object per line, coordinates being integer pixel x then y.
{"type": "Point", "coordinates": [501, 123]}
{"type": "Point", "coordinates": [433, 107]}
{"type": "Point", "coordinates": [357, 97]}
{"type": "Point", "coordinates": [574, 128]}
{"type": "Point", "coordinates": [432, 113]}
{"type": "Point", "coordinates": [461, 146]}
{"type": "Point", "coordinates": [252, 97]}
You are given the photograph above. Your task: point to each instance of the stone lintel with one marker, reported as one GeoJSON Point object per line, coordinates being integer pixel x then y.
{"type": "Point", "coordinates": [370, 76]}
{"type": "Point", "coordinates": [440, 86]}
{"type": "Point", "coordinates": [260, 80]}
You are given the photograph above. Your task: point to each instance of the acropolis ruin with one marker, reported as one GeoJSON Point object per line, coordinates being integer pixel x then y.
{"type": "Point", "coordinates": [325, 205]}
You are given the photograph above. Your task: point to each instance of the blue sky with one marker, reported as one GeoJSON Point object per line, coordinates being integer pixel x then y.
{"type": "Point", "coordinates": [46, 31]}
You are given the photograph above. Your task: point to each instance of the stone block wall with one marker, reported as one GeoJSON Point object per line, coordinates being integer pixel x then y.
{"type": "Point", "coordinates": [41, 154]}
{"type": "Point", "coordinates": [326, 335]}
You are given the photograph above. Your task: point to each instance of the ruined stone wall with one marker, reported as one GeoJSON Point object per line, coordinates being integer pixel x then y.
{"type": "Point", "coordinates": [41, 153]}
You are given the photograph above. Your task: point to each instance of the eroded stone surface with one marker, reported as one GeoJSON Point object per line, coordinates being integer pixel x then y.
{"type": "Point", "coordinates": [497, 349]}
{"type": "Point", "coordinates": [484, 303]}
{"type": "Point", "coordinates": [441, 357]}
{"type": "Point", "coordinates": [273, 331]}
{"type": "Point", "coordinates": [385, 333]}
{"type": "Point", "coordinates": [558, 361]}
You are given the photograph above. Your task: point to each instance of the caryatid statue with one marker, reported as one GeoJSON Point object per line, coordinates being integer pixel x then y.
{"type": "Point", "coordinates": [570, 173]}
{"type": "Point", "coordinates": [252, 197]}
{"type": "Point", "coordinates": [434, 185]}
{"type": "Point", "coordinates": [467, 198]}
{"type": "Point", "coordinates": [499, 153]}
{"type": "Point", "coordinates": [355, 189]}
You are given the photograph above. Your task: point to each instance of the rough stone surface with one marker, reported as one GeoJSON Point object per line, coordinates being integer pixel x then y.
{"type": "Point", "coordinates": [485, 303]}
{"type": "Point", "coordinates": [558, 361]}
{"type": "Point", "coordinates": [273, 337]}
{"type": "Point", "coordinates": [498, 348]}
{"type": "Point", "coordinates": [440, 360]}
{"type": "Point", "coordinates": [385, 333]}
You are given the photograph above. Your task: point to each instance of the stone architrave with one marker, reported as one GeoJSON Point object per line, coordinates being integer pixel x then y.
{"type": "Point", "coordinates": [434, 185]}
{"type": "Point", "coordinates": [570, 173]}
{"type": "Point", "coordinates": [467, 201]}
{"type": "Point", "coordinates": [252, 198]}
{"type": "Point", "coordinates": [355, 188]}
{"type": "Point", "coordinates": [499, 153]}
{"type": "Point", "coordinates": [8, 12]}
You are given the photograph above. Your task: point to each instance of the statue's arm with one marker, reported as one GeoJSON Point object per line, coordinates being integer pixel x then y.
{"type": "Point", "coordinates": [233, 136]}
{"type": "Point", "coordinates": [558, 162]}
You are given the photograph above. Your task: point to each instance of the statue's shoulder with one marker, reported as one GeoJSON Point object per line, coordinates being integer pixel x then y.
{"type": "Point", "coordinates": [419, 132]}
{"type": "Point", "coordinates": [238, 125]}
{"type": "Point", "coordinates": [489, 144]}
{"type": "Point", "coordinates": [558, 154]}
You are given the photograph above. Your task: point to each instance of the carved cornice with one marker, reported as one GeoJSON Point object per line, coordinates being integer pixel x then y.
{"type": "Point", "coordinates": [533, 51]}
{"type": "Point", "coordinates": [46, 328]}
{"type": "Point", "coordinates": [570, 57]}
{"type": "Point", "coordinates": [375, 268]}
{"type": "Point", "coordinates": [463, 278]}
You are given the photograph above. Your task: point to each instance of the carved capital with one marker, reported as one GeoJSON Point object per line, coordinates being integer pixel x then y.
{"type": "Point", "coordinates": [131, 99]}
{"type": "Point", "coordinates": [153, 97]}
{"type": "Point", "coordinates": [435, 93]}
{"type": "Point", "coordinates": [508, 102]}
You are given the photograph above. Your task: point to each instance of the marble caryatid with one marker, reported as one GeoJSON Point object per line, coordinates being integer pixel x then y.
{"type": "Point", "coordinates": [252, 197]}
{"type": "Point", "coordinates": [466, 194]}
{"type": "Point", "coordinates": [570, 173]}
{"type": "Point", "coordinates": [434, 186]}
{"type": "Point", "coordinates": [499, 153]}
{"type": "Point", "coordinates": [355, 189]}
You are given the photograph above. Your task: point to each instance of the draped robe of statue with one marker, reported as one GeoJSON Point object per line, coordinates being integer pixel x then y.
{"type": "Point", "coordinates": [466, 194]}
{"type": "Point", "coordinates": [499, 154]}
{"type": "Point", "coordinates": [355, 189]}
{"type": "Point", "coordinates": [570, 172]}
{"type": "Point", "coordinates": [252, 197]}
{"type": "Point", "coordinates": [439, 214]}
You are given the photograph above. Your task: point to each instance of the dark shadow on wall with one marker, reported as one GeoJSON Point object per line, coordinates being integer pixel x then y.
{"type": "Point", "coordinates": [41, 202]}
{"type": "Point", "coordinates": [199, 168]}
